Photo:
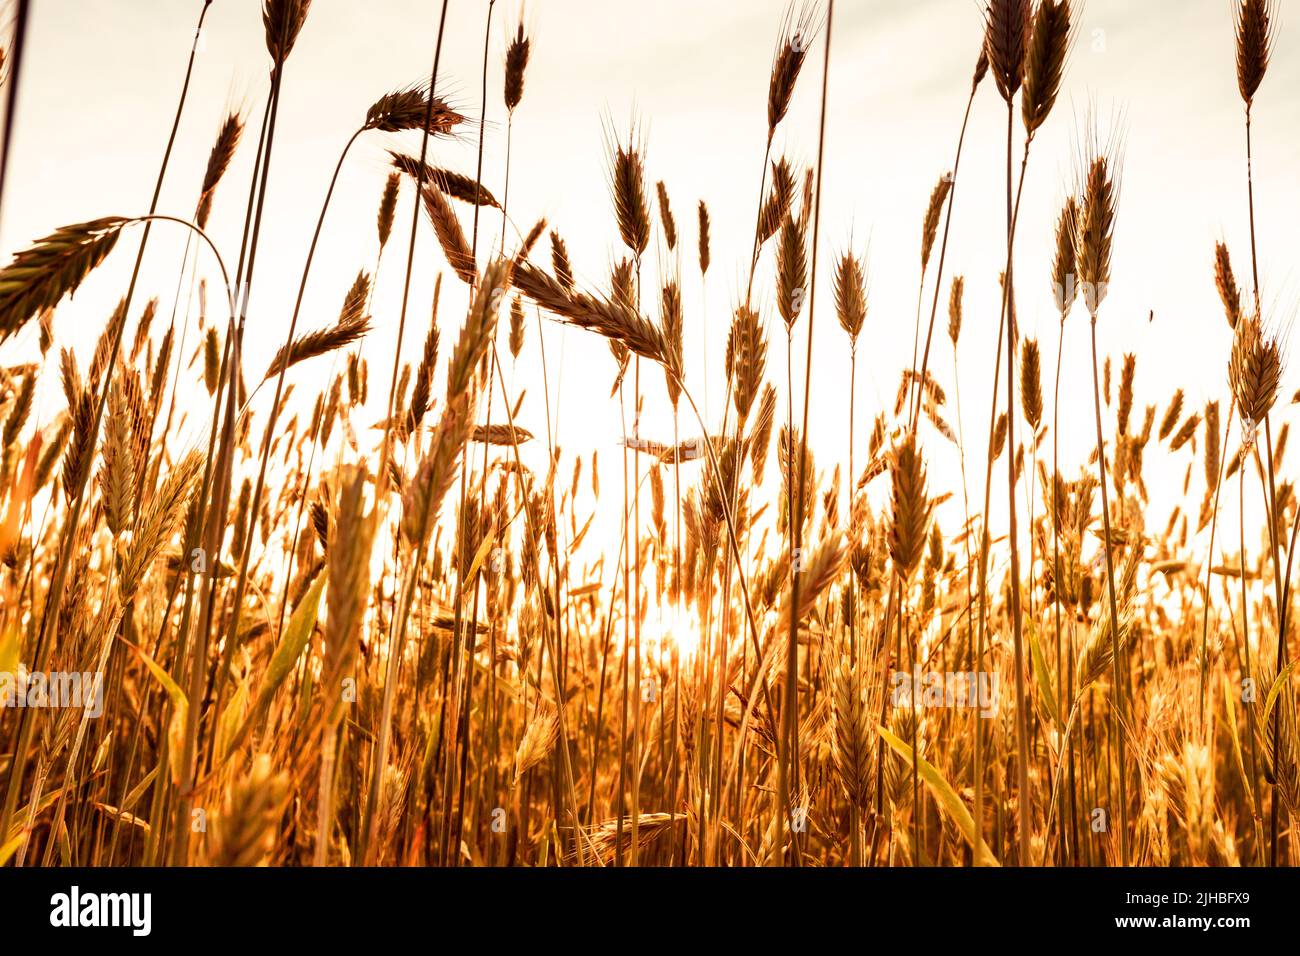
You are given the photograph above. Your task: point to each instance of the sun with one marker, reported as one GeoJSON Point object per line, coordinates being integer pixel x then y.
{"type": "Point", "coordinates": [674, 626]}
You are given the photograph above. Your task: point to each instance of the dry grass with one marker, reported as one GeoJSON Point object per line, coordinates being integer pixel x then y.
{"type": "Point", "coordinates": [414, 650]}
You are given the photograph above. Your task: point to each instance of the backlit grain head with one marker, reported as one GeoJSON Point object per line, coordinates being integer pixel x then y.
{"type": "Point", "coordinates": [1255, 22]}
{"type": "Point", "coordinates": [516, 64]}
{"type": "Point", "coordinates": [933, 210]}
{"type": "Point", "coordinates": [410, 108]}
{"type": "Point", "coordinates": [910, 505]}
{"type": "Point", "coordinates": [666, 216]}
{"type": "Point", "coordinates": [1065, 286]}
{"type": "Point", "coordinates": [1031, 383]}
{"type": "Point", "coordinates": [791, 271]}
{"type": "Point", "coordinates": [1006, 34]}
{"type": "Point", "coordinates": [1049, 43]}
{"type": "Point", "coordinates": [850, 295]}
{"type": "Point", "coordinates": [746, 359]}
{"type": "Point", "coordinates": [283, 21]}
{"type": "Point", "coordinates": [388, 207]}
{"type": "Point", "coordinates": [1094, 224]}
{"type": "Point", "coordinates": [1254, 370]}
{"type": "Point", "coordinates": [955, 308]}
{"type": "Point", "coordinates": [791, 51]}
{"type": "Point", "coordinates": [628, 189]}
{"type": "Point", "coordinates": [223, 151]}
{"type": "Point", "coordinates": [704, 238]}
{"type": "Point", "coordinates": [1226, 284]}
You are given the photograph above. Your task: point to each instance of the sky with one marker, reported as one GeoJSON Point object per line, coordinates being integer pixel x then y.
{"type": "Point", "coordinates": [101, 78]}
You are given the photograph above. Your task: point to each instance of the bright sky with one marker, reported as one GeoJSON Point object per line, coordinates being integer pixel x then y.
{"type": "Point", "coordinates": [102, 76]}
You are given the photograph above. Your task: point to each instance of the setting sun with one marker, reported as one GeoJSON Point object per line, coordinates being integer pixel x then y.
{"type": "Point", "coordinates": [774, 433]}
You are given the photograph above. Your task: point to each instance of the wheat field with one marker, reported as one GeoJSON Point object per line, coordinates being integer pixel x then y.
{"type": "Point", "coordinates": [355, 606]}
